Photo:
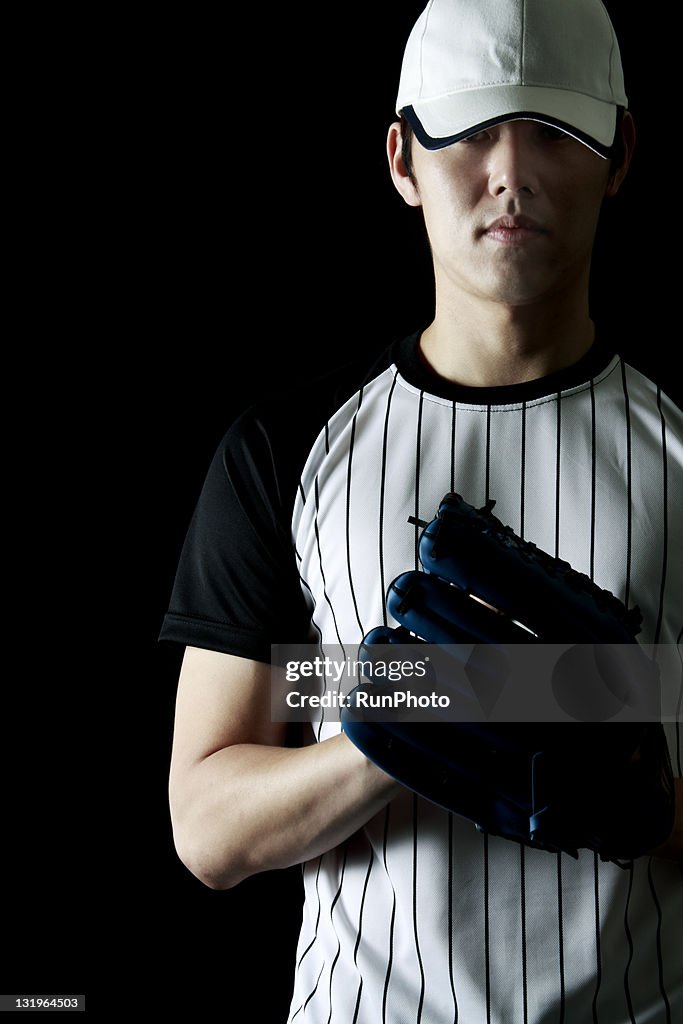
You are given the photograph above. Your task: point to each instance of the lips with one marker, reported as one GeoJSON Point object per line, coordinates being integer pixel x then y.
{"type": "Point", "coordinates": [514, 229]}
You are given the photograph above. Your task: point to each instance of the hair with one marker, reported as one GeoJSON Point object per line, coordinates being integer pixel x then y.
{"type": "Point", "coordinates": [617, 152]}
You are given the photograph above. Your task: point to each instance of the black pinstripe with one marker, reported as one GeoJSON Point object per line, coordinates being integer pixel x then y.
{"type": "Point", "coordinates": [522, 898]}
{"type": "Point", "coordinates": [487, 941]}
{"type": "Point", "coordinates": [665, 508]}
{"type": "Point", "coordinates": [348, 512]}
{"type": "Point", "coordinates": [660, 958]}
{"type": "Point", "coordinates": [560, 937]}
{"type": "Point", "coordinates": [418, 456]}
{"type": "Point", "coordinates": [417, 939]}
{"type": "Point", "coordinates": [390, 959]}
{"type": "Point", "coordinates": [317, 919]}
{"type": "Point", "coordinates": [522, 484]}
{"type": "Point", "coordinates": [360, 931]}
{"type": "Point", "coordinates": [558, 450]}
{"type": "Point", "coordinates": [311, 993]}
{"type": "Point", "coordinates": [629, 939]}
{"type": "Point", "coordinates": [487, 950]}
{"type": "Point", "coordinates": [453, 407]}
{"type": "Point", "coordinates": [310, 946]}
{"type": "Point", "coordinates": [598, 950]}
{"type": "Point", "coordinates": [629, 499]}
{"type": "Point", "coordinates": [334, 904]}
{"type": "Point", "coordinates": [382, 486]}
{"type": "Point", "coordinates": [488, 453]}
{"type": "Point", "coordinates": [450, 915]}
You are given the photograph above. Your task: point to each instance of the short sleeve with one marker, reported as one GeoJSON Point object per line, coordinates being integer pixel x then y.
{"type": "Point", "coordinates": [237, 587]}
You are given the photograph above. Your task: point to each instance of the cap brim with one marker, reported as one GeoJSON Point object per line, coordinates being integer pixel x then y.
{"type": "Point", "coordinates": [440, 122]}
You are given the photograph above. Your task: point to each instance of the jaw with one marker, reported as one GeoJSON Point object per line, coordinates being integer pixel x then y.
{"type": "Point", "coordinates": [516, 278]}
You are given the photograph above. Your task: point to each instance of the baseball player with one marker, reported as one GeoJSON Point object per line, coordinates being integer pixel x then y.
{"type": "Point", "coordinates": [513, 131]}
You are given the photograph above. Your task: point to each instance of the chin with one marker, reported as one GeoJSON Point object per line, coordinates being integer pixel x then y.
{"type": "Point", "coordinates": [521, 289]}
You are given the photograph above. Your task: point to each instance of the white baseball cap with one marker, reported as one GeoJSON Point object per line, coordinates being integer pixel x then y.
{"type": "Point", "coordinates": [470, 64]}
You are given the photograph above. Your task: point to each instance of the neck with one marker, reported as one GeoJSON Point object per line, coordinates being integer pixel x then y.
{"type": "Point", "coordinates": [493, 344]}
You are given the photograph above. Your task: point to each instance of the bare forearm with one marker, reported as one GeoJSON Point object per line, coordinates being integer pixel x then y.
{"type": "Point", "coordinates": [250, 808]}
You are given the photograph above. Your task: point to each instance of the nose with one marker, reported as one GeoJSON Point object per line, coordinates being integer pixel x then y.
{"type": "Point", "coordinates": [512, 167]}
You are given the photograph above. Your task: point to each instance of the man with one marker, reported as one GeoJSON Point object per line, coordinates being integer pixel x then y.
{"type": "Point", "coordinates": [514, 131]}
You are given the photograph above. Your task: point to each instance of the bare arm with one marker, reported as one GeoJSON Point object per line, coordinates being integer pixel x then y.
{"type": "Point", "coordinates": [241, 802]}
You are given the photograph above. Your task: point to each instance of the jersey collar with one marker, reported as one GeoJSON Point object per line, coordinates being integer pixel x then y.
{"type": "Point", "coordinates": [415, 371]}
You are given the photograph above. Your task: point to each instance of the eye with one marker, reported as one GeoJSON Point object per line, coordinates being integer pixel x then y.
{"type": "Point", "coordinates": [552, 134]}
{"type": "Point", "coordinates": [478, 137]}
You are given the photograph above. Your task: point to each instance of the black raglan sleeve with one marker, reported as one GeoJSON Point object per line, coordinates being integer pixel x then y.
{"type": "Point", "coordinates": [237, 587]}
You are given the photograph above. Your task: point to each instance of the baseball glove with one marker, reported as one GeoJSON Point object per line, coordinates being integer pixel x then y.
{"type": "Point", "coordinates": [556, 786]}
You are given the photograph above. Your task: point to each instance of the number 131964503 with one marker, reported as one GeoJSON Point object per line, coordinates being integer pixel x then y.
{"type": "Point", "coordinates": [44, 1002]}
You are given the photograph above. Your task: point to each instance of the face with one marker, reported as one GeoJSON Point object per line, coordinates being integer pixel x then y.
{"type": "Point", "coordinates": [511, 213]}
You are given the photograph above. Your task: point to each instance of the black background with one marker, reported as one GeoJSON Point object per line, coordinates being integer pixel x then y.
{"type": "Point", "coordinates": [237, 230]}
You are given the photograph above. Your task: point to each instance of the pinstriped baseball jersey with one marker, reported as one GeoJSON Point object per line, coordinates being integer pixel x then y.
{"type": "Point", "coordinates": [417, 917]}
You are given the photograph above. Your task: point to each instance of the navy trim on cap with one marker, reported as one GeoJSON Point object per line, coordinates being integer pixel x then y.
{"type": "Point", "coordinates": [440, 143]}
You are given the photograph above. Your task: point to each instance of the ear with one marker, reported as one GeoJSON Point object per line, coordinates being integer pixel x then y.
{"type": "Point", "coordinates": [405, 185]}
{"type": "Point", "coordinates": [628, 139]}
